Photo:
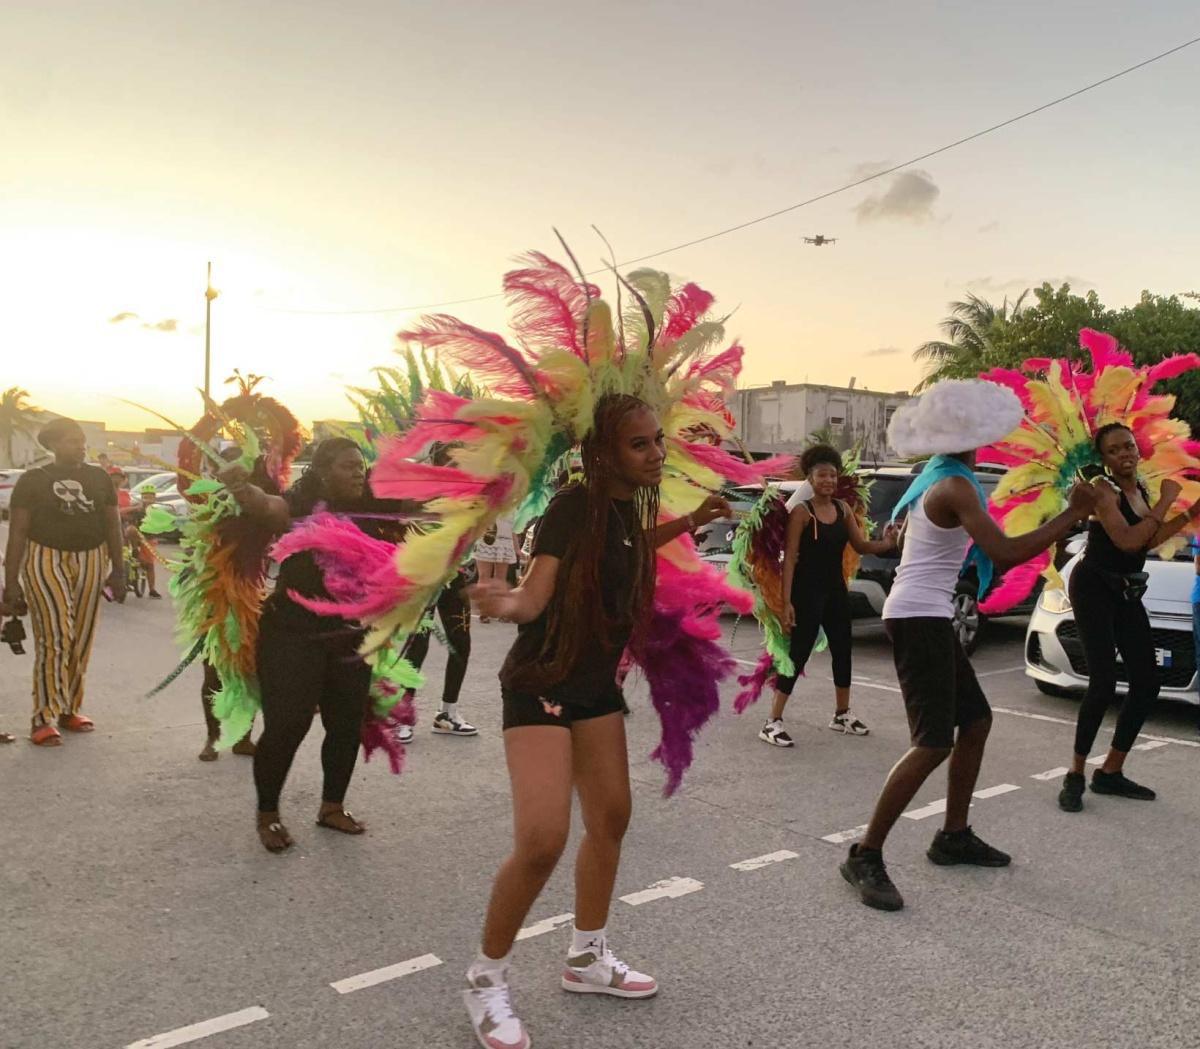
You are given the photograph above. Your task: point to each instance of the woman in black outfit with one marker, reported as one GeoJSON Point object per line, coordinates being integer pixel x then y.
{"type": "Point", "coordinates": [818, 531]}
{"type": "Point", "coordinates": [307, 661]}
{"type": "Point", "coordinates": [1106, 589]}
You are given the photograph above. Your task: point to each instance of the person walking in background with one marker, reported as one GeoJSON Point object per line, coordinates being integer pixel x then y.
{"type": "Point", "coordinates": [63, 518]}
{"type": "Point", "coordinates": [1106, 589]}
{"type": "Point", "coordinates": [495, 553]}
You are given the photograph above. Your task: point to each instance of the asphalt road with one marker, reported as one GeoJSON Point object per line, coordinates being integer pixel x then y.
{"type": "Point", "coordinates": [137, 900]}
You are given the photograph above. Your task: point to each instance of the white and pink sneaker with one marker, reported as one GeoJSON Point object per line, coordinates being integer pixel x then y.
{"type": "Point", "coordinates": [489, 1004]}
{"type": "Point", "coordinates": [599, 971]}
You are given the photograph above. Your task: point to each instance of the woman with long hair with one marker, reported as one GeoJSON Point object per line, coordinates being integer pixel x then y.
{"type": "Point", "coordinates": [586, 594]}
{"type": "Point", "coordinates": [1106, 589]}
{"type": "Point", "coordinates": [814, 577]}
{"type": "Point", "coordinates": [65, 547]}
{"type": "Point", "coordinates": [308, 661]}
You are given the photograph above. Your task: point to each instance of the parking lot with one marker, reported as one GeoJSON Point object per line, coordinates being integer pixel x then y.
{"type": "Point", "coordinates": [138, 903]}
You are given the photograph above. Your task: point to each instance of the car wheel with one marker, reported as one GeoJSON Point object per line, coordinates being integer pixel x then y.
{"type": "Point", "coordinates": [968, 621]}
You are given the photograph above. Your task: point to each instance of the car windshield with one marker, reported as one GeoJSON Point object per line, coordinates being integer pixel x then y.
{"type": "Point", "coordinates": [886, 490]}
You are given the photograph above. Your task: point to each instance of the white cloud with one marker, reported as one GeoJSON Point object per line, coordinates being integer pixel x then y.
{"type": "Point", "coordinates": [910, 196]}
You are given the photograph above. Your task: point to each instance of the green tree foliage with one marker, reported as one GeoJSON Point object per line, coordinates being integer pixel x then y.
{"type": "Point", "coordinates": [17, 416]}
{"type": "Point", "coordinates": [983, 336]}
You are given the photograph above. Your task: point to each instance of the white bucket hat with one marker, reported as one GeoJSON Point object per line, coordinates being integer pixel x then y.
{"type": "Point", "coordinates": [954, 415]}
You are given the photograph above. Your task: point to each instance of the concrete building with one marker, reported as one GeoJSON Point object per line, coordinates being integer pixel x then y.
{"type": "Point", "coordinates": [780, 417]}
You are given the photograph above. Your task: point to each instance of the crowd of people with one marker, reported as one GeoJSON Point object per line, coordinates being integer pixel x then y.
{"type": "Point", "coordinates": [581, 600]}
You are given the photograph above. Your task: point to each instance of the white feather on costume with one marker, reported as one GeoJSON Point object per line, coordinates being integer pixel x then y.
{"type": "Point", "coordinates": [954, 415]}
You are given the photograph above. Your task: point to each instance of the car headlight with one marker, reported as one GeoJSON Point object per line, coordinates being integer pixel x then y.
{"type": "Point", "coordinates": [1055, 602]}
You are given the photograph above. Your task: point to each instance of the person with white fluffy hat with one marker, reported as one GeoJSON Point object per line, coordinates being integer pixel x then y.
{"type": "Point", "coordinates": [948, 714]}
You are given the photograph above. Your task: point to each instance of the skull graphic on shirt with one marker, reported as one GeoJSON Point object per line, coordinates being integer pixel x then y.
{"type": "Point", "coordinates": [71, 498]}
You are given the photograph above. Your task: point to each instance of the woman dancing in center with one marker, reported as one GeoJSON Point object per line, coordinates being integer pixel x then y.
{"type": "Point", "coordinates": [587, 592]}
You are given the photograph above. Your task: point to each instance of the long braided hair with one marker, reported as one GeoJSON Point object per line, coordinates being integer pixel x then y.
{"type": "Point", "coordinates": [576, 616]}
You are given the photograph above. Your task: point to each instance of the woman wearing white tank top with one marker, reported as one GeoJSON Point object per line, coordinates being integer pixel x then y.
{"type": "Point", "coordinates": [948, 714]}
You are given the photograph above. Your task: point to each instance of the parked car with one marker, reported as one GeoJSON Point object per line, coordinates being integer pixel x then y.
{"type": "Point", "coordinates": [876, 573]}
{"type": "Point", "coordinates": [8, 481]}
{"type": "Point", "coordinates": [1054, 656]}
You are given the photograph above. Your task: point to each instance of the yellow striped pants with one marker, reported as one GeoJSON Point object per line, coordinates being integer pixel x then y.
{"type": "Point", "coordinates": [62, 589]}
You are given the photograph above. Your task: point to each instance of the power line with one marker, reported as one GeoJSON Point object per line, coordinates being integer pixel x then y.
{"type": "Point", "coordinates": [801, 204]}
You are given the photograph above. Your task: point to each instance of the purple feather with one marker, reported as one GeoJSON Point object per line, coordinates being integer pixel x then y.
{"type": "Point", "coordinates": [380, 734]}
{"type": "Point", "coordinates": [753, 683]}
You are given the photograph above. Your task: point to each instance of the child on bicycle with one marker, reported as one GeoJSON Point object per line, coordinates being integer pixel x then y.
{"type": "Point", "coordinates": [142, 549]}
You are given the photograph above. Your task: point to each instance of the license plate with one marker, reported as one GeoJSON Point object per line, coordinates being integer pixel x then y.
{"type": "Point", "coordinates": [1162, 656]}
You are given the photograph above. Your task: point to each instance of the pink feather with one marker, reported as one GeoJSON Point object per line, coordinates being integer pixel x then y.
{"type": "Point", "coordinates": [754, 683]}
{"type": "Point", "coordinates": [1017, 584]}
{"type": "Point", "coordinates": [1104, 348]}
{"type": "Point", "coordinates": [733, 468]}
{"type": "Point", "coordinates": [396, 478]}
{"type": "Point", "coordinates": [684, 310]}
{"type": "Point", "coordinates": [1170, 367]}
{"type": "Point", "coordinates": [493, 362]}
{"type": "Point", "coordinates": [548, 305]}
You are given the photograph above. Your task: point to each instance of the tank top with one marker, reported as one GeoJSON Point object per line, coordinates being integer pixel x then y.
{"type": "Point", "coordinates": [1103, 553]}
{"type": "Point", "coordinates": [929, 568]}
{"type": "Point", "coordinates": [819, 558]}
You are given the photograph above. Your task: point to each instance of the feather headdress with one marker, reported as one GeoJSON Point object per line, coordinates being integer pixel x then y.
{"type": "Point", "coordinates": [1064, 403]}
{"type": "Point", "coordinates": [570, 348]}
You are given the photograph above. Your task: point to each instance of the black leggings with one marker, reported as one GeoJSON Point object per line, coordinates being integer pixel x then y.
{"type": "Point", "coordinates": [817, 609]}
{"type": "Point", "coordinates": [298, 672]}
{"type": "Point", "coordinates": [454, 610]}
{"type": "Point", "coordinates": [1107, 622]}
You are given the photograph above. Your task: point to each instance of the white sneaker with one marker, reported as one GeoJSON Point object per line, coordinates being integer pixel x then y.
{"type": "Point", "coordinates": [772, 732]}
{"type": "Point", "coordinates": [846, 722]}
{"type": "Point", "coordinates": [602, 972]}
{"type": "Point", "coordinates": [452, 725]}
{"type": "Point", "coordinates": [404, 734]}
{"type": "Point", "coordinates": [489, 1005]}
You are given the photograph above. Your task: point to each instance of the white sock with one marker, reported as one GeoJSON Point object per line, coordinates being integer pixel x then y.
{"type": "Point", "coordinates": [450, 710]}
{"type": "Point", "coordinates": [583, 942]}
{"type": "Point", "coordinates": [485, 966]}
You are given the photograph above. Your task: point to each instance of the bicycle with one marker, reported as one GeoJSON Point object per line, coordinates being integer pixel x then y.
{"type": "Point", "coordinates": [135, 573]}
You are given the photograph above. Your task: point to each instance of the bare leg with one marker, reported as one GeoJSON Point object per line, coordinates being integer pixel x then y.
{"type": "Point", "coordinates": [1114, 761]}
{"type": "Point", "coordinates": [841, 700]}
{"type": "Point", "coordinates": [602, 778]}
{"type": "Point", "coordinates": [965, 759]}
{"type": "Point", "coordinates": [901, 787]}
{"type": "Point", "coordinates": [777, 705]}
{"type": "Point", "coordinates": [539, 767]}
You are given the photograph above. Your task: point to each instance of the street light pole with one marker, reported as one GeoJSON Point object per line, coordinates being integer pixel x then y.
{"type": "Point", "coordinates": [210, 293]}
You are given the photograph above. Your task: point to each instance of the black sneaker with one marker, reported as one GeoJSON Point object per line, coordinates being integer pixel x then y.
{"type": "Point", "coordinates": [866, 871]}
{"type": "Point", "coordinates": [1070, 798]}
{"type": "Point", "coordinates": [1118, 784]}
{"type": "Point", "coordinates": [965, 846]}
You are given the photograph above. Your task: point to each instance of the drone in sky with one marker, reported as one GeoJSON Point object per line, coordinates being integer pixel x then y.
{"type": "Point", "coordinates": [820, 239]}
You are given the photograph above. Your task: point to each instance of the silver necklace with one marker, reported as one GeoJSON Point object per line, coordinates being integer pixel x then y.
{"type": "Point", "coordinates": [628, 539]}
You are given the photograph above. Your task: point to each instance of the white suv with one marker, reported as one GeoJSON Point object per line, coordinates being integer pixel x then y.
{"type": "Point", "coordinates": [1054, 655]}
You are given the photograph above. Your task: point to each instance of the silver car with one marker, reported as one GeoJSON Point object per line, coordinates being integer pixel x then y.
{"type": "Point", "coordinates": [1054, 655]}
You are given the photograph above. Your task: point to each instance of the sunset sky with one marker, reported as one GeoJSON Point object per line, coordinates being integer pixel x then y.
{"type": "Point", "coordinates": [363, 155]}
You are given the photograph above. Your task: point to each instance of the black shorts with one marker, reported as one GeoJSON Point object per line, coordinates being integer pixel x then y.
{"type": "Point", "coordinates": [522, 709]}
{"type": "Point", "coordinates": [938, 683]}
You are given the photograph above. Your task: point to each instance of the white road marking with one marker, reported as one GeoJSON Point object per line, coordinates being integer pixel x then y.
{"type": "Point", "coordinates": [871, 684]}
{"type": "Point", "coordinates": [747, 662]}
{"type": "Point", "coordinates": [668, 889]}
{"type": "Point", "coordinates": [996, 791]}
{"type": "Point", "coordinates": [1097, 759]}
{"type": "Point", "coordinates": [1051, 773]}
{"type": "Point", "coordinates": [1065, 721]}
{"type": "Point", "coordinates": [1151, 744]}
{"type": "Point", "coordinates": [764, 861]}
{"type": "Point", "coordinates": [194, 1032]}
{"type": "Point", "coordinates": [934, 808]}
{"type": "Point", "coordinates": [388, 972]}
{"type": "Point", "coordinates": [843, 836]}
{"type": "Point", "coordinates": [1006, 670]}
{"type": "Point", "coordinates": [545, 925]}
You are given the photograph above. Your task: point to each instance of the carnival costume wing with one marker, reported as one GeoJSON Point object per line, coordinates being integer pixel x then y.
{"type": "Point", "coordinates": [570, 349]}
{"type": "Point", "coordinates": [220, 585]}
{"type": "Point", "coordinates": [759, 546]}
{"type": "Point", "coordinates": [1065, 403]}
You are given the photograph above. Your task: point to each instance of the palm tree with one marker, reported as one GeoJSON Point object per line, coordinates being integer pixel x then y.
{"type": "Point", "coordinates": [968, 329]}
{"type": "Point", "coordinates": [17, 416]}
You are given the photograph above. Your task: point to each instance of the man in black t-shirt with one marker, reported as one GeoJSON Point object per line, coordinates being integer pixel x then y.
{"type": "Point", "coordinates": [63, 517]}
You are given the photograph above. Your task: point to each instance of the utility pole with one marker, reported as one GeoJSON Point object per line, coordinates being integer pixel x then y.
{"type": "Point", "coordinates": [210, 293]}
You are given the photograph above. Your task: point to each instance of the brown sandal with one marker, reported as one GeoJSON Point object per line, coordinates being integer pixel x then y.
{"type": "Point", "coordinates": [279, 839]}
{"type": "Point", "coordinates": [357, 828]}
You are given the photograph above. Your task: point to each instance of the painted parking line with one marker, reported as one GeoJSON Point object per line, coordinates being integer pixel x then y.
{"type": "Point", "coordinates": [545, 925]}
{"type": "Point", "coordinates": [1049, 774]}
{"type": "Point", "coordinates": [842, 836]}
{"type": "Point", "coordinates": [1152, 744]}
{"type": "Point", "coordinates": [194, 1032]}
{"type": "Point", "coordinates": [1006, 670]}
{"type": "Point", "coordinates": [758, 862]}
{"type": "Point", "coordinates": [388, 972]}
{"type": "Point", "coordinates": [668, 889]}
{"type": "Point", "coordinates": [934, 808]}
{"type": "Point", "coordinates": [996, 791]}
{"type": "Point", "coordinates": [1152, 736]}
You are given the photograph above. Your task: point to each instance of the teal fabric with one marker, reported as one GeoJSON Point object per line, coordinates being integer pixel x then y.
{"type": "Point", "coordinates": [938, 469]}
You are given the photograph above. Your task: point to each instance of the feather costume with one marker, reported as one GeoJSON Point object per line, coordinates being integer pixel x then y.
{"type": "Point", "coordinates": [570, 349]}
{"type": "Point", "coordinates": [220, 587]}
{"type": "Point", "coordinates": [759, 547]}
{"type": "Point", "coordinates": [1065, 404]}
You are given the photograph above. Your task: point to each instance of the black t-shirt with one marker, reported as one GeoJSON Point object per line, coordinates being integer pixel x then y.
{"type": "Point", "coordinates": [563, 526]}
{"type": "Point", "coordinates": [301, 573]}
{"type": "Point", "coordinates": [66, 505]}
